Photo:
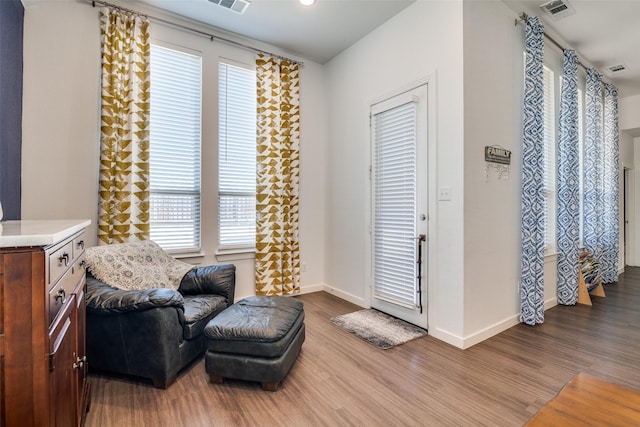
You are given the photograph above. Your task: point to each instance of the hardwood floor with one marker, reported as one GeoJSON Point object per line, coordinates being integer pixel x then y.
{"type": "Point", "coordinates": [340, 380]}
{"type": "Point", "coordinates": [589, 400]}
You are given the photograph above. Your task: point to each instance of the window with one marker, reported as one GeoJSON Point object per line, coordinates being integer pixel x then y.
{"type": "Point", "coordinates": [236, 157]}
{"type": "Point", "coordinates": [549, 149]}
{"type": "Point", "coordinates": [175, 125]}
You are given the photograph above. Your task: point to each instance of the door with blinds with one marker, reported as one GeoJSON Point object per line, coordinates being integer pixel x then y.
{"type": "Point", "coordinates": [399, 217]}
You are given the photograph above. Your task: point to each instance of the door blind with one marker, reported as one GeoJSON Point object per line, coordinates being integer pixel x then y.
{"type": "Point", "coordinates": [394, 194]}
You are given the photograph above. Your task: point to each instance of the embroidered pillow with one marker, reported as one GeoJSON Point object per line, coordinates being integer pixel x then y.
{"type": "Point", "coordinates": [136, 266]}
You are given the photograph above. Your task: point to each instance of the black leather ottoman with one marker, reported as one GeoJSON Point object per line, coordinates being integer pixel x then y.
{"type": "Point", "coordinates": [256, 339]}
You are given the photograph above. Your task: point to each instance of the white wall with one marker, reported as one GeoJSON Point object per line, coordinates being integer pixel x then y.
{"type": "Point", "coordinates": [629, 124]}
{"type": "Point", "coordinates": [423, 41]}
{"type": "Point", "coordinates": [61, 121]}
{"type": "Point", "coordinates": [60, 112]}
{"type": "Point", "coordinates": [626, 148]}
{"type": "Point", "coordinates": [493, 85]}
{"type": "Point", "coordinates": [629, 113]}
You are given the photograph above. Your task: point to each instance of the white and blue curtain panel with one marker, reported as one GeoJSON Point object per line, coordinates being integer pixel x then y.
{"type": "Point", "coordinates": [568, 215]}
{"type": "Point", "coordinates": [601, 173]}
{"type": "Point", "coordinates": [532, 264]}
{"type": "Point", "coordinates": [593, 168]}
{"type": "Point", "coordinates": [611, 217]}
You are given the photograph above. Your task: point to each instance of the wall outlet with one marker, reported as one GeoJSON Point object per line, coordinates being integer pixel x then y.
{"type": "Point", "coordinates": [303, 267]}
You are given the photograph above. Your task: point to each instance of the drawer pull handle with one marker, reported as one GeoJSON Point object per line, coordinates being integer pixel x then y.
{"type": "Point", "coordinates": [64, 258]}
{"type": "Point", "coordinates": [83, 264]}
{"type": "Point", "coordinates": [61, 294]}
{"type": "Point", "coordinates": [81, 244]}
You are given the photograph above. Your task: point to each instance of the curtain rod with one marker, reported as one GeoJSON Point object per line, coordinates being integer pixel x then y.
{"type": "Point", "coordinates": [523, 18]}
{"type": "Point", "coordinates": [212, 37]}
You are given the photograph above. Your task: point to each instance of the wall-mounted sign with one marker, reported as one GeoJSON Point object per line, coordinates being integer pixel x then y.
{"type": "Point", "coordinates": [493, 154]}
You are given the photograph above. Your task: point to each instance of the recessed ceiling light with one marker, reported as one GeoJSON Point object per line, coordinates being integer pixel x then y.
{"type": "Point", "coordinates": [307, 2]}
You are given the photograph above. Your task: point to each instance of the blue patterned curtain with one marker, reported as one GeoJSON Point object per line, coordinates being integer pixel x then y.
{"type": "Point", "coordinates": [610, 234]}
{"type": "Point", "coordinates": [532, 282]}
{"type": "Point", "coordinates": [593, 167]}
{"type": "Point", "coordinates": [568, 183]}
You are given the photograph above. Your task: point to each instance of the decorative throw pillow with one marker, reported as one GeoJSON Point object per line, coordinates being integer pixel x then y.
{"type": "Point", "coordinates": [136, 266]}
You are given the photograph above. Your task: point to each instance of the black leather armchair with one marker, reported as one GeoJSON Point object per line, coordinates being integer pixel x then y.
{"type": "Point", "coordinates": [154, 333]}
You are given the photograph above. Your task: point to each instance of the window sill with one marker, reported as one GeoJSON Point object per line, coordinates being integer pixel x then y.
{"type": "Point", "coordinates": [550, 256]}
{"type": "Point", "coordinates": [190, 257]}
{"type": "Point", "coordinates": [235, 254]}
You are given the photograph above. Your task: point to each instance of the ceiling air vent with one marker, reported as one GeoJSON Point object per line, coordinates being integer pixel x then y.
{"type": "Point", "coordinates": [617, 68]}
{"type": "Point", "coordinates": [558, 9]}
{"type": "Point", "coordinates": [238, 6]}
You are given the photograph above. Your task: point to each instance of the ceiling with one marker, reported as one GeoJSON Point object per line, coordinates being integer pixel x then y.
{"type": "Point", "coordinates": [603, 32]}
{"type": "Point", "coordinates": [318, 32]}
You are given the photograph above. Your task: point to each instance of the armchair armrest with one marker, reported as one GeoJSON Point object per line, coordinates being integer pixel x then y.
{"type": "Point", "coordinates": [104, 299]}
{"type": "Point", "coordinates": [213, 279]}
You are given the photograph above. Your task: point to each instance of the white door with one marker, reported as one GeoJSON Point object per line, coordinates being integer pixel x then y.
{"type": "Point", "coordinates": [399, 201]}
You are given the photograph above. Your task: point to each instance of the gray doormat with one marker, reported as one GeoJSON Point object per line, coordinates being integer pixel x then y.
{"type": "Point", "coordinates": [377, 328]}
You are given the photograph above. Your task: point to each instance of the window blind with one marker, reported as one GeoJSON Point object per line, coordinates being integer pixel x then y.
{"type": "Point", "coordinates": [394, 194]}
{"type": "Point", "coordinates": [236, 156]}
{"type": "Point", "coordinates": [174, 162]}
{"type": "Point", "coordinates": [549, 157]}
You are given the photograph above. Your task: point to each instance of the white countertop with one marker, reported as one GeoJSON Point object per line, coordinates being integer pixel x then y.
{"type": "Point", "coordinates": [38, 232]}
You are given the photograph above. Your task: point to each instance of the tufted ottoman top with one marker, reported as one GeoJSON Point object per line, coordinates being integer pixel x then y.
{"type": "Point", "coordinates": [260, 326]}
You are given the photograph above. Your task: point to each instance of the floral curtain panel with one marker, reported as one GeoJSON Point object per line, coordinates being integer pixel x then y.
{"type": "Point", "coordinates": [611, 217]}
{"type": "Point", "coordinates": [123, 213]}
{"type": "Point", "coordinates": [601, 174]}
{"type": "Point", "coordinates": [532, 284]}
{"type": "Point", "coordinates": [278, 175]}
{"type": "Point", "coordinates": [568, 183]}
{"type": "Point", "coordinates": [593, 166]}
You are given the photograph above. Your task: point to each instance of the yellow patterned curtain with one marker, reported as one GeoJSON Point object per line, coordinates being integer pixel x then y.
{"type": "Point", "coordinates": [278, 175]}
{"type": "Point", "coordinates": [123, 213]}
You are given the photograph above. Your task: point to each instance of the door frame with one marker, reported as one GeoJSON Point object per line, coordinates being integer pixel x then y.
{"type": "Point", "coordinates": [429, 290]}
{"type": "Point", "coordinates": [627, 213]}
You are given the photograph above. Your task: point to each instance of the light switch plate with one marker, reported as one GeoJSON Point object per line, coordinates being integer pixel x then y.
{"type": "Point", "coordinates": [444, 193]}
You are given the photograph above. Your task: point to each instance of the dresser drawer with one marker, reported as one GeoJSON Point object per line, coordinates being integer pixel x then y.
{"type": "Point", "coordinates": [78, 245]}
{"type": "Point", "coordinates": [59, 261]}
{"type": "Point", "coordinates": [61, 293]}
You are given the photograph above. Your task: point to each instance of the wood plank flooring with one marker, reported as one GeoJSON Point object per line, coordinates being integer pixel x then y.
{"type": "Point", "coordinates": [589, 400]}
{"type": "Point", "coordinates": [340, 380]}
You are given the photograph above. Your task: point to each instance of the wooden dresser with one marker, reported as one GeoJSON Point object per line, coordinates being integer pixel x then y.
{"type": "Point", "coordinates": [43, 366]}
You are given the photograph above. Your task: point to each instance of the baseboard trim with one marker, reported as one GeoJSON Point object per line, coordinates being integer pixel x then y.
{"type": "Point", "coordinates": [309, 289]}
{"type": "Point", "coordinates": [501, 326]}
{"type": "Point", "coordinates": [303, 289]}
{"type": "Point", "coordinates": [346, 296]}
{"type": "Point", "coordinates": [442, 335]}
{"type": "Point", "coordinates": [447, 337]}
{"type": "Point", "coordinates": [490, 331]}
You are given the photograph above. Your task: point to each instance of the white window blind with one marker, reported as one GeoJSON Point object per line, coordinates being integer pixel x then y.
{"type": "Point", "coordinates": [549, 167]}
{"type": "Point", "coordinates": [175, 126]}
{"type": "Point", "coordinates": [394, 204]}
{"type": "Point", "coordinates": [236, 157]}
